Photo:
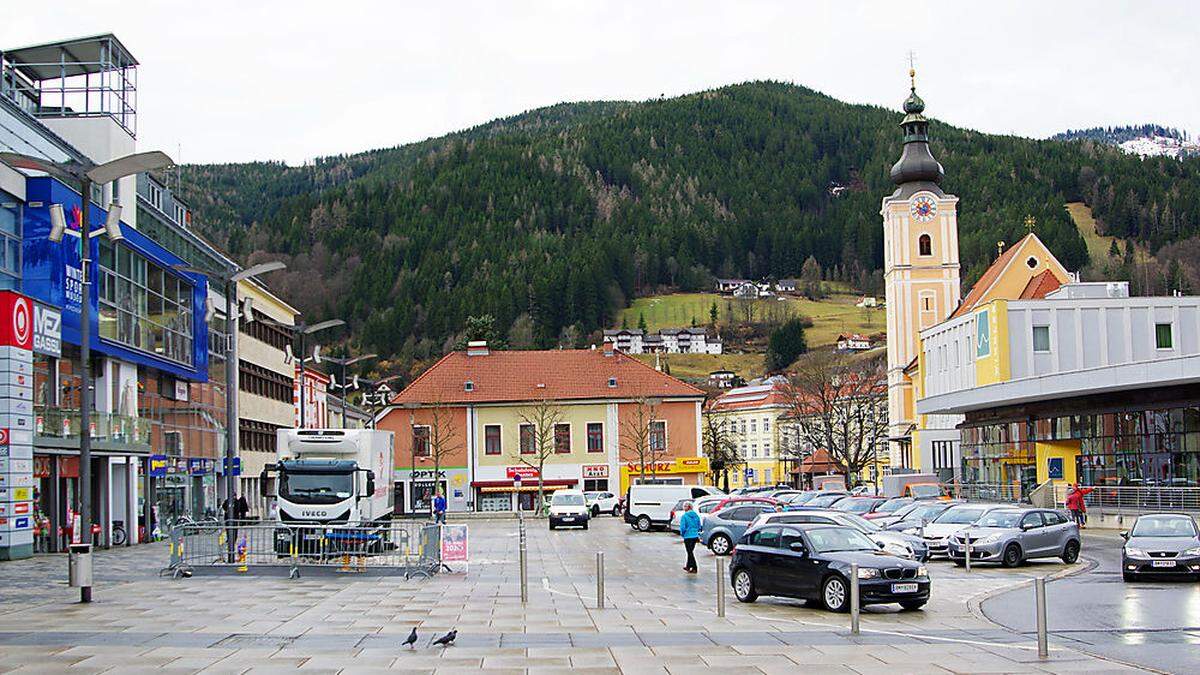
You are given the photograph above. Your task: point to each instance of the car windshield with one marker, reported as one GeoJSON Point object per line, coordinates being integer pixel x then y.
{"type": "Point", "coordinates": [1163, 526]}
{"type": "Point", "coordinates": [1001, 519]}
{"type": "Point", "coordinates": [833, 539]}
{"type": "Point", "coordinates": [859, 523]}
{"type": "Point", "coordinates": [960, 515]}
{"type": "Point", "coordinates": [592, 495]}
{"type": "Point", "coordinates": [925, 490]}
{"type": "Point", "coordinates": [893, 505]}
{"type": "Point", "coordinates": [925, 511]}
{"type": "Point", "coordinates": [823, 500]}
{"type": "Point", "coordinates": [856, 505]}
{"type": "Point", "coordinates": [567, 500]}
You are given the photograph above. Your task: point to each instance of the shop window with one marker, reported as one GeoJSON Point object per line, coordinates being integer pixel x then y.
{"type": "Point", "coordinates": [491, 439]}
{"type": "Point", "coordinates": [527, 441]}
{"type": "Point", "coordinates": [562, 438]}
{"type": "Point", "coordinates": [595, 437]}
{"type": "Point", "coordinates": [420, 442]}
{"type": "Point", "coordinates": [595, 485]}
{"type": "Point", "coordinates": [1041, 338]}
{"type": "Point", "coordinates": [1163, 339]}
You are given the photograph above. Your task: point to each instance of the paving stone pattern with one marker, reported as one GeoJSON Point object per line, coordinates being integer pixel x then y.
{"type": "Point", "coordinates": [657, 619]}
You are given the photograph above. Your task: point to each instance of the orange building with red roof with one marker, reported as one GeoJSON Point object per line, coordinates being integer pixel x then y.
{"type": "Point", "coordinates": [479, 403]}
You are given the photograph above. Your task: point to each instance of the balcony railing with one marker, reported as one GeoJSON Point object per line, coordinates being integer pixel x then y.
{"type": "Point", "coordinates": [63, 423]}
{"type": "Point", "coordinates": [985, 492]}
{"type": "Point", "coordinates": [1131, 499]}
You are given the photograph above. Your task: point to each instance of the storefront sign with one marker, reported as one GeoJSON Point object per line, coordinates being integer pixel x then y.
{"type": "Point", "coordinates": [454, 543]}
{"type": "Point", "coordinates": [16, 320]}
{"type": "Point", "coordinates": [427, 474]}
{"type": "Point", "coordinates": [158, 465]}
{"type": "Point", "coordinates": [523, 471]}
{"type": "Point", "coordinates": [181, 390]}
{"type": "Point", "coordinates": [68, 467]}
{"type": "Point", "coordinates": [681, 465]}
{"type": "Point", "coordinates": [197, 466]}
{"type": "Point", "coordinates": [595, 471]}
{"type": "Point", "coordinates": [47, 330]}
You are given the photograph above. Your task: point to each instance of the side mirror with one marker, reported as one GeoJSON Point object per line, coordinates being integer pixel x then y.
{"type": "Point", "coordinates": [370, 483]}
{"type": "Point", "coordinates": [1125, 535]}
{"type": "Point", "coordinates": [798, 547]}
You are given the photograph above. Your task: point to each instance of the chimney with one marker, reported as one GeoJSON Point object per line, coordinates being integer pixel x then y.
{"type": "Point", "coordinates": [608, 348]}
{"type": "Point", "coordinates": [477, 348]}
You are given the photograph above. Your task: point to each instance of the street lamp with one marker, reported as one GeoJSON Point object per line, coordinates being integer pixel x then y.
{"type": "Point", "coordinates": [379, 397]}
{"type": "Point", "coordinates": [86, 174]}
{"type": "Point", "coordinates": [345, 386]}
{"type": "Point", "coordinates": [304, 330]}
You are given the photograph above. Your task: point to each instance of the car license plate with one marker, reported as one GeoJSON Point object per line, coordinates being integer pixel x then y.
{"type": "Point", "coordinates": [1163, 563]}
{"type": "Point", "coordinates": [568, 519]}
{"type": "Point", "coordinates": [904, 588]}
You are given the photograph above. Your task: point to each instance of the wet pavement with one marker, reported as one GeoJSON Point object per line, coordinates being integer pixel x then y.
{"type": "Point", "coordinates": [656, 618]}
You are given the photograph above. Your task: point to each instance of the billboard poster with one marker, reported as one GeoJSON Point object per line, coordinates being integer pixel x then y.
{"type": "Point", "coordinates": [454, 543]}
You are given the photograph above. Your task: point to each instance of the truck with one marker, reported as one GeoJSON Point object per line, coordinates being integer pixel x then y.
{"type": "Point", "coordinates": [916, 485]}
{"type": "Point", "coordinates": [332, 476]}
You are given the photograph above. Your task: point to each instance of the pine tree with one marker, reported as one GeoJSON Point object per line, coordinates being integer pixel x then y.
{"type": "Point", "coordinates": [642, 322]}
{"type": "Point", "coordinates": [712, 314]}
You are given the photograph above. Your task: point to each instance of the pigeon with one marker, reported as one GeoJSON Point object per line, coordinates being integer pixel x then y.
{"type": "Point", "coordinates": [411, 639]}
{"type": "Point", "coordinates": [447, 639]}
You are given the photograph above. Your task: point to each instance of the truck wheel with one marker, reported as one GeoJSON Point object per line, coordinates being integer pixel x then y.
{"type": "Point", "coordinates": [643, 523]}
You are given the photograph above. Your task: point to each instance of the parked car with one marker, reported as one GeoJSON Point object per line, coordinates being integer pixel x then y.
{"type": "Point", "coordinates": [924, 491]}
{"type": "Point", "coordinates": [569, 508]}
{"type": "Point", "coordinates": [602, 502]}
{"type": "Point", "coordinates": [720, 529]}
{"type": "Point", "coordinates": [888, 507]}
{"type": "Point", "coordinates": [915, 516]}
{"type": "Point", "coordinates": [812, 562]}
{"type": "Point", "coordinates": [937, 532]}
{"type": "Point", "coordinates": [824, 500]}
{"type": "Point", "coordinates": [783, 495]}
{"type": "Point", "coordinates": [676, 512]}
{"type": "Point", "coordinates": [801, 497]}
{"type": "Point", "coordinates": [896, 543]}
{"type": "Point", "coordinates": [1010, 536]}
{"type": "Point", "coordinates": [859, 505]}
{"type": "Point", "coordinates": [1166, 544]}
{"type": "Point", "coordinates": [648, 506]}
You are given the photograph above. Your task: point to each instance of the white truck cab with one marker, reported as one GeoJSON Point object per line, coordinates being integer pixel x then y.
{"type": "Point", "coordinates": [333, 476]}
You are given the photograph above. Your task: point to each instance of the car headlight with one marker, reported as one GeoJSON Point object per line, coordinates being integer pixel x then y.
{"type": "Point", "coordinates": [922, 571]}
{"type": "Point", "coordinates": [1192, 551]}
{"type": "Point", "coordinates": [868, 573]}
{"type": "Point", "coordinates": [911, 530]}
{"type": "Point", "coordinates": [989, 539]}
{"type": "Point", "coordinates": [1135, 552]}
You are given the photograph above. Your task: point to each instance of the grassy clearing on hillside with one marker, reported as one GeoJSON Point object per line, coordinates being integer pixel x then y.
{"type": "Point", "coordinates": [698, 366]}
{"type": "Point", "coordinates": [1098, 245]}
{"type": "Point", "coordinates": [830, 316]}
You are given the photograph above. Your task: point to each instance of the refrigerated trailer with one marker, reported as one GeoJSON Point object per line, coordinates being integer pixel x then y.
{"type": "Point", "coordinates": [333, 476]}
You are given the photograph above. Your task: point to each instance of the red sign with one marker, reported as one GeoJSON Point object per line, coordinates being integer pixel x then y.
{"type": "Point", "coordinates": [522, 471]}
{"type": "Point", "coordinates": [16, 320]}
{"type": "Point", "coordinates": [20, 508]}
{"type": "Point", "coordinates": [3, 436]}
{"type": "Point", "coordinates": [454, 543]}
{"type": "Point", "coordinates": [595, 471]}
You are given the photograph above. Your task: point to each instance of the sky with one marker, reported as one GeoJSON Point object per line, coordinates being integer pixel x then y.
{"type": "Point", "coordinates": [225, 81]}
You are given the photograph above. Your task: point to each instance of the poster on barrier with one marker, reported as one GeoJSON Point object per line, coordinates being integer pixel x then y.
{"type": "Point", "coordinates": [454, 543]}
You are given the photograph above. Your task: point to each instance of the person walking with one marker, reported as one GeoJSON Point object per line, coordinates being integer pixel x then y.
{"type": "Point", "coordinates": [439, 508]}
{"type": "Point", "coordinates": [689, 529]}
{"type": "Point", "coordinates": [1076, 505]}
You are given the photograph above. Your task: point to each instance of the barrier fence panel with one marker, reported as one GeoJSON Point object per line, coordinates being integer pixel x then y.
{"type": "Point", "coordinates": [1134, 499]}
{"type": "Point", "coordinates": [408, 548]}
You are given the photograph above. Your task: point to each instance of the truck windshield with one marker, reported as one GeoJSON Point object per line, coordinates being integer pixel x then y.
{"type": "Point", "coordinates": [315, 488]}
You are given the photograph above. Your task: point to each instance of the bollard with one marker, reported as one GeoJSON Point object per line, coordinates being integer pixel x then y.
{"type": "Point", "coordinates": [854, 598]}
{"type": "Point", "coordinates": [721, 587]}
{"type": "Point", "coordinates": [524, 569]}
{"type": "Point", "coordinates": [1039, 589]}
{"type": "Point", "coordinates": [599, 579]}
{"type": "Point", "coordinates": [967, 550]}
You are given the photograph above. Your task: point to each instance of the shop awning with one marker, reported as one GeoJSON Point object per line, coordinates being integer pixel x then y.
{"type": "Point", "coordinates": [526, 486]}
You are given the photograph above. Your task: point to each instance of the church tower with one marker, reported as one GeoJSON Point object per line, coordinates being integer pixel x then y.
{"type": "Point", "coordinates": [920, 259]}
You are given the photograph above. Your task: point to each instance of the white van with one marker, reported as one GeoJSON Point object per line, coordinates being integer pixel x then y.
{"type": "Point", "coordinates": [649, 506]}
{"type": "Point", "coordinates": [569, 508]}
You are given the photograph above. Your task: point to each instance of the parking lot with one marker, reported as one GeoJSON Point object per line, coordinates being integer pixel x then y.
{"type": "Point", "coordinates": [656, 618]}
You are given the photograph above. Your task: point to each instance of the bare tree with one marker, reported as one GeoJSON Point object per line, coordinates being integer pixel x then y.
{"type": "Point", "coordinates": [721, 446]}
{"type": "Point", "coordinates": [443, 439]}
{"type": "Point", "coordinates": [840, 404]}
{"type": "Point", "coordinates": [640, 440]}
{"type": "Point", "coordinates": [533, 450]}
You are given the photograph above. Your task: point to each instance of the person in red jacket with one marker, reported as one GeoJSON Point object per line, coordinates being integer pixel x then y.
{"type": "Point", "coordinates": [1076, 505]}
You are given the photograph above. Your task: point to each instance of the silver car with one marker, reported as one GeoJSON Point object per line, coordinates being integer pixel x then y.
{"type": "Point", "coordinates": [1010, 536]}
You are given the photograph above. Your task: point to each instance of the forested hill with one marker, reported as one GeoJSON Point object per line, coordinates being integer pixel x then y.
{"type": "Point", "coordinates": [551, 220]}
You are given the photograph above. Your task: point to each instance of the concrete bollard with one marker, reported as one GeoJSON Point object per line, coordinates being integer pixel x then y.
{"type": "Point", "coordinates": [854, 617]}
{"type": "Point", "coordinates": [967, 550]}
{"type": "Point", "coordinates": [523, 563]}
{"type": "Point", "coordinates": [1039, 590]}
{"type": "Point", "coordinates": [599, 579]}
{"type": "Point", "coordinates": [721, 587]}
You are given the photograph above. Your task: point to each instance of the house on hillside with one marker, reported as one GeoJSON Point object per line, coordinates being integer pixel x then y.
{"type": "Point", "coordinates": [853, 342]}
{"type": "Point", "coordinates": [747, 290]}
{"type": "Point", "coordinates": [786, 285]}
{"type": "Point", "coordinates": [666, 341]}
{"type": "Point", "coordinates": [625, 340]}
{"type": "Point", "coordinates": [867, 301]}
{"type": "Point", "coordinates": [722, 379]}
{"type": "Point", "coordinates": [730, 285]}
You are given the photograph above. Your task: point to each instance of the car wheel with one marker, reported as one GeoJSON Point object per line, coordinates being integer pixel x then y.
{"type": "Point", "coordinates": [552, 526]}
{"type": "Point", "coordinates": [643, 523]}
{"type": "Point", "coordinates": [1012, 556]}
{"type": "Point", "coordinates": [720, 544]}
{"type": "Point", "coordinates": [834, 594]}
{"type": "Point", "coordinates": [913, 604]}
{"type": "Point", "coordinates": [595, 510]}
{"type": "Point", "coordinates": [1127, 576]}
{"type": "Point", "coordinates": [743, 586]}
{"type": "Point", "coordinates": [616, 512]}
{"type": "Point", "coordinates": [1071, 552]}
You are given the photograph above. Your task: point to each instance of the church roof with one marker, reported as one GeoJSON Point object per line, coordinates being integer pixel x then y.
{"type": "Point", "coordinates": [1039, 286]}
{"type": "Point", "coordinates": [995, 273]}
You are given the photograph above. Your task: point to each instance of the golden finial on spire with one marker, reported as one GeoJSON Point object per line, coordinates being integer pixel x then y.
{"type": "Point", "coordinates": [999, 249]}
{"type": "Point", "coordinates": [1030, 221]}
{"type": "Point", "coordinates": [912, 69]}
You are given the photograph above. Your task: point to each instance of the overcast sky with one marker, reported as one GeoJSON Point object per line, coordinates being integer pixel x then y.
{"type": "Point", "coordinates": [249, 79]}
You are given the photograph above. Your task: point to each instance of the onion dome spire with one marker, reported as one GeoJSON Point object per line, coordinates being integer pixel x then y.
{"type": "Point", "coordinates": [916, 163]}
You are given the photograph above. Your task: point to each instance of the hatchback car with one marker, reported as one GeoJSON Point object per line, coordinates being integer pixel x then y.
{"type": "Point", "coordinates": [915, 515]}
{"type": "Point", "coordinates": [1011, 536]}
{"type": "Point", "coordinates": [859, 505]}
{"type": "Point", "coordinates": [720, 529]}
{"type": "Point", "coordinates": [896, 543]}
{"type": "Point", "coordinates": [1166, 544]}
{"type": "Point", "coordinates": [888, 508]}
{"type": "Point", "coordinates": [937, 532]}
{"type": "Point", "coordinates": [676, 512]}
{"type": "Point", "coordinates": [812, 562]}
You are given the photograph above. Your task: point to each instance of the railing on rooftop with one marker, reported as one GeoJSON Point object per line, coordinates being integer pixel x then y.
{"type": "Point", "coordinates": [64, 423]}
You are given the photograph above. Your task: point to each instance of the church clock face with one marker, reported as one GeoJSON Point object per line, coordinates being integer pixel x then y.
{"type": "Point", "coordinates": [923, 209]}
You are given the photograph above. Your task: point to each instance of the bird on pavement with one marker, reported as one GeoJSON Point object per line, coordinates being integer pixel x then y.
{"type": "Point", "coordinates": [411, 639]}
{"type": "Point", "coordinates": [447, 639]}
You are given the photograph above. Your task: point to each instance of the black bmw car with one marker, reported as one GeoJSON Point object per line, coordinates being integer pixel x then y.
{"type": "Point", "coordinates": [812, 562]}
{"type": "Point", "coordinates": [1166, 544]}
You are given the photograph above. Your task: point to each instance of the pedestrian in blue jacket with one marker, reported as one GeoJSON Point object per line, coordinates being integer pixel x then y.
{"type": "Point", "coordinates": [689, 529]}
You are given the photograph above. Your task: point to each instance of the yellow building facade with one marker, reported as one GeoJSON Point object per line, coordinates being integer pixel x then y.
{"type": "Point", "coordinates": [752, 417]}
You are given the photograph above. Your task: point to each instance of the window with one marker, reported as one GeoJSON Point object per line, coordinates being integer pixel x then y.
{"type": "Point", "coordinates": [468, 386]}
{"type": "Point", "coordinates": [527, 441]}
{"type": "Point", "coordinates": [766, 424]}
{"type": "Point", "coordinates": [1054, 518]}
{"type": "Point", "coordinates": [595, 437]}
{"type": "Point", "coordinates": [658, 436]}
{"type": "Point", "coordinates": [264, 382]}
{"type": "Point", "coordinates": [1162, 336]}
{"type": "Point", "coordinates": [928, 308]}
{"type": "Point", "coordinates": [925, 245]}
{"type": "Point", "coordinates": [768, 537]}
{"type": "Point", "coordinates": [1031, 262]}
{"type": "Point", "coordinates": [562, 438]}
{"type": "Point", "coordinates": [1041, 338]}
{"type": "Point", "coordinates": [491, 439]}
{"type": "Point", "coordinates": [10, 240]}
{"type": "Point", "coordinates": [143, 305]}
{"type": "Point", "coordinates": [790, 536]}
{"type": "Point", "coordinates": [1032, 520]}
{"type": "Point", "coordinates": [256, 436]}
{"type": "Point", "coordinates": [420, 442]}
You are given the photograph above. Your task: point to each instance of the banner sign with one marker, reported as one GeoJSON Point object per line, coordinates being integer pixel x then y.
{"type": "Point", "coordinates": [454, 543]}
{"type": "Point", "coordinates": [522, 471]}
{"type": "Point", "coordinates": [595, 471]}
{"type": "Point", "coordinates": [16, 320]}
{"type": "Point", "coordinates": [47, 330]}
{"type": "Point", "coordinates": [158, 465]}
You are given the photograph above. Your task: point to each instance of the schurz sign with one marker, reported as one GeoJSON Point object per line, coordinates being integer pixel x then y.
{"type": "Point", "coordinates": [47, 330]}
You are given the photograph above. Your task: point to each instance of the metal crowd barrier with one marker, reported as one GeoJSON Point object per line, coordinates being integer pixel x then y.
{"type": "Point", "coordinates": [1134, 500]}
{"type": "Point", "coordinates": [411, 549]}
{"type": "Point", "coordinates": [985, 492]}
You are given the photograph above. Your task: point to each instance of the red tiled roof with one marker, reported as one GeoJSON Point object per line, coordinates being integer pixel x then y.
{"type": "Point", "coordinates": [820, 462]}
{"type": "Point", "coordinates": [989, 277]}
{"type": "Point", "coordinates": [564, 374]}
{"type": "Point", "coordinates": [1039, 286]}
